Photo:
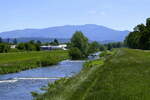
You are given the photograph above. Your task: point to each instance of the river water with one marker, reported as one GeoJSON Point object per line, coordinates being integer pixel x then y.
{"type": "Point", "coordinates": [17, 86]}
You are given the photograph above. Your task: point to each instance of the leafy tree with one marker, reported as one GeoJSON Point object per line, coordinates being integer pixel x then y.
{"type": "Point", "coordinates": [4, 48]}
{"type": "Point", "coordinates": [29, 46]}
{"type": "Point", "coordinates": [39, 42]}
{"type": "Point", "coordinates": [15, 41]}
{"type": "Point", "coordinates": [32, 42]}
{"type": "Point", "coordinates": [56, 42]}
{"type": "Point", "coordinates": [112, 45]}
{"type": "Point", "coordinates": [140, 37]}
{"type": "Point", "coordinates": [94, 47]}
{"type": "Point", "coordinates": [102, 47]}
{"type": "Point", "coordinates": [21, 46]}
{"type": "Point", "coordinates": [1, 40]}
{"type": "Point", "coordinates": [81, 42]}
{"type": "Point", "coordinates": [75, 53]}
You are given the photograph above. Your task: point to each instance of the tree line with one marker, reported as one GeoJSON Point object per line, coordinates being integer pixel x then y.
{"type": "Point", "coordinates": [5, 45]}
{"type": "Point", "coordinates": [140, 37]}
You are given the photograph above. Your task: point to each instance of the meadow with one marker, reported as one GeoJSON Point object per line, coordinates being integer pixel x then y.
{"type": "Point", "coordinates": [18, 61]}
{"type": "Point", "coordinates": [121, 75]}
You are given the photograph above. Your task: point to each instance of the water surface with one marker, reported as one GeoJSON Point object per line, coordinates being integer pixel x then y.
{"type": "Point", "coordinates": [17, 86]}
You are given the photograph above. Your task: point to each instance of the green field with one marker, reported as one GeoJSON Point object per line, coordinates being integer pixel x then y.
{"type": "Point", "coordinates": [123, 75]}
{"type": "Point", "coordinates": [15, 62]}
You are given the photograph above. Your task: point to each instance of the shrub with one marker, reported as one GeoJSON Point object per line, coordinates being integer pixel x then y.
{"type": "Point", "coordinates": [75, 53]}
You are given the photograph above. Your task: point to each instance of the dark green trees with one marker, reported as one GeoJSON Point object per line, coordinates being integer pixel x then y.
{"type": "Point", "coordinates": [79, 46]}
{"type": "Point", "coordinates": [112, 45]}
{"type": "Point", "coordinates": [4, 47]}
{"type": "Point", "coordinates": [55, 42]}
{"type": "Point", "coordinates": [29, 46]}
{"type": "Point", "coordinates": [15, 41]}
{"type": "Point", "coordinates": [75, 53]}
{"type": "Point", "coordinates": [140, 37]}
{"type": "Point", "coordinates": [1, 40]}
{"type": "Point", "coordinates": [94, 47]}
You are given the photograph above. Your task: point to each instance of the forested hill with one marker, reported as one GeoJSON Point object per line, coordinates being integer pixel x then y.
{"type": "Point", "coordinates": [93, 32]}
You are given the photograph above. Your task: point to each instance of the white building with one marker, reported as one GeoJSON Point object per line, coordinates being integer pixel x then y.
{"type": "Point", "coordinates": [13, 46]}
{"type": "Point", "coordinates": [49, 47]}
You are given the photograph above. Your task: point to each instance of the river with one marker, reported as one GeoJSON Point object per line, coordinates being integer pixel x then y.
{"type": "Point", "coordinates": [18, 86]}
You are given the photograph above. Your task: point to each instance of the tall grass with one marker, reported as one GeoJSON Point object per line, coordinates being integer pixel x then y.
{"type": "Point", "coordinates": [124, 75]}
{"type": "Point", "coordinates": [15, 62]}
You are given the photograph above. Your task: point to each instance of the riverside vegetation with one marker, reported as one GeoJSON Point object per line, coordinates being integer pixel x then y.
{"type": "Point", "coordinates": [15, 62]}
{"type": "Point", "coordinates": [120, 75]}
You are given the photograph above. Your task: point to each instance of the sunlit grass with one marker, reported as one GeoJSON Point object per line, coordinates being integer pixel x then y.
{"type": "Point", "coordinates": [124, 75]}
{"type": "Point", "coordinates": [15, 62]}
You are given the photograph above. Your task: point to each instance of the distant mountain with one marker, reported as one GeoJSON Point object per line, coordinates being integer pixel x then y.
{"type": "Point", "coordinates": [92, 31]}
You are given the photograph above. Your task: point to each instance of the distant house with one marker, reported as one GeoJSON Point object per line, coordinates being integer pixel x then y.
{"type": "Point", "coordinates": [13, 46]}
{"type": "Point", "coordinates": [49, 47]}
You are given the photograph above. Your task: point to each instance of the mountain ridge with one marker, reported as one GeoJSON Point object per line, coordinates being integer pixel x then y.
{"type": "Point", "coordinates": [92, 31]}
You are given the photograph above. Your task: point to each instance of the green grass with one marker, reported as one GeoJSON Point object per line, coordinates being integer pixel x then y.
{"type": "Point", "coordinates": [124, 75]}
{"type": "Point", "coordinates": [18, 61]}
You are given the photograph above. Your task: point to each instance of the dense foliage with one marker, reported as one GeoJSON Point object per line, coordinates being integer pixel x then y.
{"type": "Point", "coordinates": [75, 53]}
{"type": "Point", "coordinates": [112, 45]}
{"type": "Point", "coordinates": [95, 47]}
{"type": "Point", "coordinates": [79, 41]}
{"type": "Point", "coordinates": [29, 46]}
{"type": "Point", "coordinates": [55, 42]}
{"type": "Point", "coordinates": [15, 62]}
{"type": "Point", "coordinates": [80, 47]}
{"type": "Point", "coordinates": [140, 37]}
{"type": "Point", "coordinates": [4, 47]}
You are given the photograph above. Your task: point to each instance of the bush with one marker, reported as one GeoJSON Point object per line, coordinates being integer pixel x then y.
{"type": "Point", "coordinates": [75, 53]}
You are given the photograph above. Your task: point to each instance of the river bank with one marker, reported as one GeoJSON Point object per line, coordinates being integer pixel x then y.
{"type": "Point", "coordinates": [119, 75]}
{"type": "Point", "coordinates": [19, 61]}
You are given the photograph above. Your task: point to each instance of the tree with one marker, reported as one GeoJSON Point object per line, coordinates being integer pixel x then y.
{"type": "Point", "coordinates": [140, 37]}
{"type": "Point", "coordinates": [56, 42]}
{"type": "Point", "coordinates": [29, 46]}
{"type": "Point", "coordinates": [94, 47]}
{"type": "Point", "coordinates": [102, 47]}
{"type": "Point", "coordinates": [1, 40]}
{"type": "Point", "coordinates": [39, 42]}
{"type": "Point", "coordinates": [15, 41]}
{"type": "Point", "coordinates": [21, 46]}
{"type": "Point", "coordinates": [4, 48]}
{"type": "Point", "coordinates": [148, 22]}
{"type": "Point", "coordinates": [81, 42]}
{"type": "Point", "coordinates": [75, 53]}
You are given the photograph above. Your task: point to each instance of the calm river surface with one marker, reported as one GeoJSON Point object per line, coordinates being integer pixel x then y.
{"type": "Point", "coordinates": [18, 86]}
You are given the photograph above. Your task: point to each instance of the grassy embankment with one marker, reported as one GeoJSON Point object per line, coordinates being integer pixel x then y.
{"type": "Point", "coordinates": [15, 62]}
{"type": "Point", "coordinates": [124, 75]}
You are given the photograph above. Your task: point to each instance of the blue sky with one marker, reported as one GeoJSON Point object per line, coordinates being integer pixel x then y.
{"type": "Point", "coordinates": [116, 14]}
